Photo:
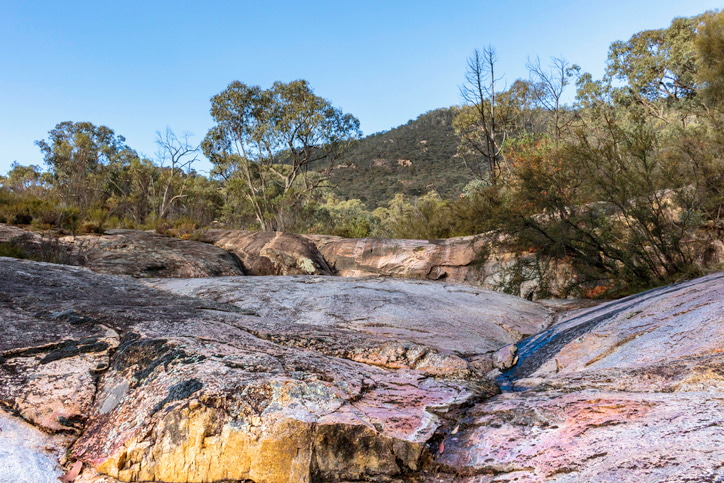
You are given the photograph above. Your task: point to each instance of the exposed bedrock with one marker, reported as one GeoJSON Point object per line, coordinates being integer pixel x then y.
{"type": "Point", "coordinates": [148, 254]}
{"type": "Point", "coordinates": [336, 315]}
{"type": "Point", "coordinates": [482, 260]}
{"type": "Point", "coordinates": [627, 391]}
{"type": "Point", "coordinates": [161, 387]}
{"type": "Point", "coordinates": [126, 252]}
{"type": "Point", "coordinates": [270, 253]}
{"type": "Point", "coordinates": [313, 378]}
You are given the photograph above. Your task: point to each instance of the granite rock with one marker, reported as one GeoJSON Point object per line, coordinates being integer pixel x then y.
{"type": "Point", "coordinates": [270, 253]}
{"type": "Point", "coordinates": [149, 254]}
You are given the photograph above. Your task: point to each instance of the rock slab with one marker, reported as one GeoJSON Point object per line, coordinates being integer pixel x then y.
{"type": "Point", "coordinates": [161, 387]}
{"type": "Point", "coordinates": [629, 391]}
{"type": "Point", "coordinates": [270, 253]}
{"type": "Point", "coordinates": [148, 254]}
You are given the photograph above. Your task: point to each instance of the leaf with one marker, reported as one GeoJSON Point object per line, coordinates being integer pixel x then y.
{"type": "Point", "coordinates": [72, 473]}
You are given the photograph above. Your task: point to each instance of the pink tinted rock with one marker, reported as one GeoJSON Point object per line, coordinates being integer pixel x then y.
{"type": "Point", "coordinates": [149, 254]}
{"type": "Point", "coordinates": [270, 253]}
{"type": "Point", "coordinates": [505, 358]}
{"type": "Point", "coordinates": [197, 390]}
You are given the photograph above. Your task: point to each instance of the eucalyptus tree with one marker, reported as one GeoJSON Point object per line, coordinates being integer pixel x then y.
{"type": "Point", "coordinates": [266, 143]}
{"type": "Point", "coordinates": [659, 69]}
{"type": "Point", "coordinates": [80, 156]}
{"type": "Point", "coordinates": [710, 46]}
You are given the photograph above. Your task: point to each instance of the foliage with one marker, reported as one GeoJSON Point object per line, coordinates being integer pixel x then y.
{"type": "Point", "coordinates": [625, 187]}
{"type": "Point", "coordinates": [265, 141]}
{"type": "Point", "coordinates": [658, 68]}
{"type": "Point", "coordinates": [78, 156]}
{"type": "Point", "coordinates": [710, 47]}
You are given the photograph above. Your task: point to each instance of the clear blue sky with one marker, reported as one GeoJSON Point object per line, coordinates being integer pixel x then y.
{"type": "Point", "coordinates": [139, 67]}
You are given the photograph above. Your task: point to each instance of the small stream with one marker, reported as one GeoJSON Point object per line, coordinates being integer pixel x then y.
{"type": "Point", "coordinates": [536, 350]}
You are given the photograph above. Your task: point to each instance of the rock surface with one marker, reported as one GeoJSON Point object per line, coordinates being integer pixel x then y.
{"type": "Point", "coordinates": [148, 254]}
{"type": "Point", "coordinates": [162, 387]}
{"type": "Point", "coordinates": [270, 253]}
{"type": "Point", "coordinates": [482, 260]}
{"type": "Point", "coordinates": [27, 455]}
{"type": "Point", "coordinates": [452, 259]}
{"type": "Point", "coordinates": [629, 391]}
{"type": "Point", "coordinates": [45, 247]}
{"type": "Point", "coordinates": [271, 379]}
{"type": "Point", "coordinates": [450, 318]}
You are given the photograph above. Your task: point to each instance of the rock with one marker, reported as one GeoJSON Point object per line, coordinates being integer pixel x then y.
{"type": "Point", "coordinates": [36, 246]}
{"type": "Point", "coordinates": [630, 390]}
{"type": "Point", "coordinates": [191, 390]}
{"type": "Point", "coordinates": [453, 319]}
{"type": "Point", "coordinates": [148, 254]}
{"type": "Point", "coordinates": [270, 253]}
{"type": "Point", "coordinates": [326, 379]}
{"type": "Point", "coordinates": [27, 455]}
{"type": "Point", "coordinates": [506, 357]}
{"type": "Point", "coordinates": [482, 260]}
{"type": "Point", "coordinates": [9, 233]}
{"type": "Point", "coordinates": [452, 259]}
{"type": "Point", "coordinates": [588, 436]}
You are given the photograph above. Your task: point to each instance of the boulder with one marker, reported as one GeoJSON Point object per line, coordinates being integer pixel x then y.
{"type": "Point", "coordinates": [149, 254]}
{"type": "Point", "coordinates": [45, 247]}
{"type": "Point", "coordinates": [506, 357]}
{"type": "Point", "coordinates": [626, 391]}
{"type": "Point", "coordinates": [452, 259]}
{"type": "Point", "coordinates": [270, 253]}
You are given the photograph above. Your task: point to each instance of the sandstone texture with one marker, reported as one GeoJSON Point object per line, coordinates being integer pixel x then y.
{"type": "Point", "coordinates": [482, 260]}
{"type": "Point", "coordinates": [629, 391]}
{"type": "Point", "coordinates": [148, 254]}
{"type": "Point", "coordinates": [453, 259]}
{"type": "Point", "coordinates": [153, 386]}
{"type": "Point", "coordinates": [270, 253]}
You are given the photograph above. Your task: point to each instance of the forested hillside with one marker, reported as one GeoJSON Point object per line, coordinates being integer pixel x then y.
{"type": "Point", "coordinates": [412, 159]}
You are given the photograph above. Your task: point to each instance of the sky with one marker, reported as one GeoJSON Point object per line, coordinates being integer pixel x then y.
{"type": "Point", "coordinates": [139, 67]}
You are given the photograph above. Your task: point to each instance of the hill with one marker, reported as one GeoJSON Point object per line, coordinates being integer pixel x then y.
{"type": "Point", "coordinates": [412, 159]}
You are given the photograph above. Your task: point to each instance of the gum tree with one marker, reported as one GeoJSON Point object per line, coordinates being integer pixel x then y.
{"type": "Point", "coordinates": [266, 142]}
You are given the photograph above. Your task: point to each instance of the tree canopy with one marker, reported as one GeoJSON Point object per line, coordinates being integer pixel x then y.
{"type": "Point", "coordinates": [268, 139]}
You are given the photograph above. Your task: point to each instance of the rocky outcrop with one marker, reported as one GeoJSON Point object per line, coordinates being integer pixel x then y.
{"type": "Point", "coordinates": [315, 378]}
{"type": "Point", "coordinates": [482, 260]}
{"type": "Point", "coordinates": [452, 259]}
{"type": "Point", "coordinates": [161, 387]}
{"type": "Point", "coordinates": [21, 243]}
{"type": "Point", "coordinates": [148, 254]}
{"type": "Point", "coordinates": [436, 327]}
{"type": "Point", "coordinates": [123, 252]}
{"type": "Point", "coordinates": [627, 391]}
{"type": "Point", "coordinates": [270, 253]}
